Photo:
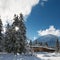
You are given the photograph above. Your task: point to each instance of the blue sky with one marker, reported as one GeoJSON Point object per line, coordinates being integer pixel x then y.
{"type": "Point", "coordinates": [42, 17]}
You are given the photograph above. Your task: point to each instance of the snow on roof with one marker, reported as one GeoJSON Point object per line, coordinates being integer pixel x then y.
{"type": "Point", "coordinates": [36, 46]}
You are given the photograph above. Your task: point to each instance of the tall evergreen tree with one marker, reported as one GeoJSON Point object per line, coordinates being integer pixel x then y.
{"type": "Point", "coordinates": [1, 36]}
{"type": "Point", "coordinates": [8, 38]}
{"type": "Point", "coordinates": [41, 43]}
{"type": "Point", "coordinates": [0, 27]}
{"type": "Point", "coordinates": [30, 43]}
{"type": "Point", "coordinates": [19, 34]}
{"type": "Point", "coordinates": [36, 42]}
{"type": "Point", "coordinates": [46, 44]}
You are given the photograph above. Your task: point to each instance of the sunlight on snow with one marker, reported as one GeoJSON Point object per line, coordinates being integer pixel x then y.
{"type": "Point", "coordinates": [16, 28]}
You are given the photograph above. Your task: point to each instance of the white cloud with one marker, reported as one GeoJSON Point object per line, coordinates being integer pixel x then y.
{"type": "Point", "coordinates": [51, 30]}
{"type": "Point", "coordinates": [9, 7]}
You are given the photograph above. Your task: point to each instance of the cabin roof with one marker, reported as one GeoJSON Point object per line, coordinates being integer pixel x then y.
{"type": "Point", "coordinates": [36, 46]}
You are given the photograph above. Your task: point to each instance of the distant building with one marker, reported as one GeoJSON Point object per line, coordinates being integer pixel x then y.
{"type": "Point", "coordinates": [37, 48]}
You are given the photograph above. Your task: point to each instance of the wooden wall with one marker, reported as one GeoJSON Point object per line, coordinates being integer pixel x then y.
{"type": "Point", "coordinates": [38, 49]}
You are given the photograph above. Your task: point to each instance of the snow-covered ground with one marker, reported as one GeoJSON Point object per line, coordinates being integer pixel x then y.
{"type": "Point", "coordinates": [37, 56]}
{"type": "Point", "coordinates": [48, 56]}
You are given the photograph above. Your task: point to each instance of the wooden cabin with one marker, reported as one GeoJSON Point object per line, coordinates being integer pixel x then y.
{"type": "Point", "coordinates": [42, 49]}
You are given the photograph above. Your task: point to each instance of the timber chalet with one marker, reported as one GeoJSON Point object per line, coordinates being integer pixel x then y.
{"type": "Point", "coordinates": [37, 48]}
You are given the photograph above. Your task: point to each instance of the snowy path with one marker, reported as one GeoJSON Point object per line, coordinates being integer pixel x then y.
{"type": "Point", "coordinates": [18, 57]}
{"type": "Point", "coordinates": [38, 56]}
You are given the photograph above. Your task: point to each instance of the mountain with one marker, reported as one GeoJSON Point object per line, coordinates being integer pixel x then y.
{"type": "Point", "coordinates": [50, 39]}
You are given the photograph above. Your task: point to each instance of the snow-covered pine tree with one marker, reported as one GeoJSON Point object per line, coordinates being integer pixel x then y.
{"type": "Point", "coordinates": [40, 43]}
{"type": "Point", "coordinates": [36, 42]}
{"type": "Point", "coordinates": [16, 34]}
{"type": "Point", "coordinates": [30, 43]}
{"type": "Point", "coordinates": [46, 44]}
{"type": "Point", "coordinates": [22, 29]}
{"type": "Point", "coordinates": [8, 39]}
{"type": "Point", "coordinates": [20, 34]}
{"type": "Point", "coordinates": [1, 36]}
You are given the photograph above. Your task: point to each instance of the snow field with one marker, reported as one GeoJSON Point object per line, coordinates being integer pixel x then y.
{"type": "Point", "coordinates": [36, 56]}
